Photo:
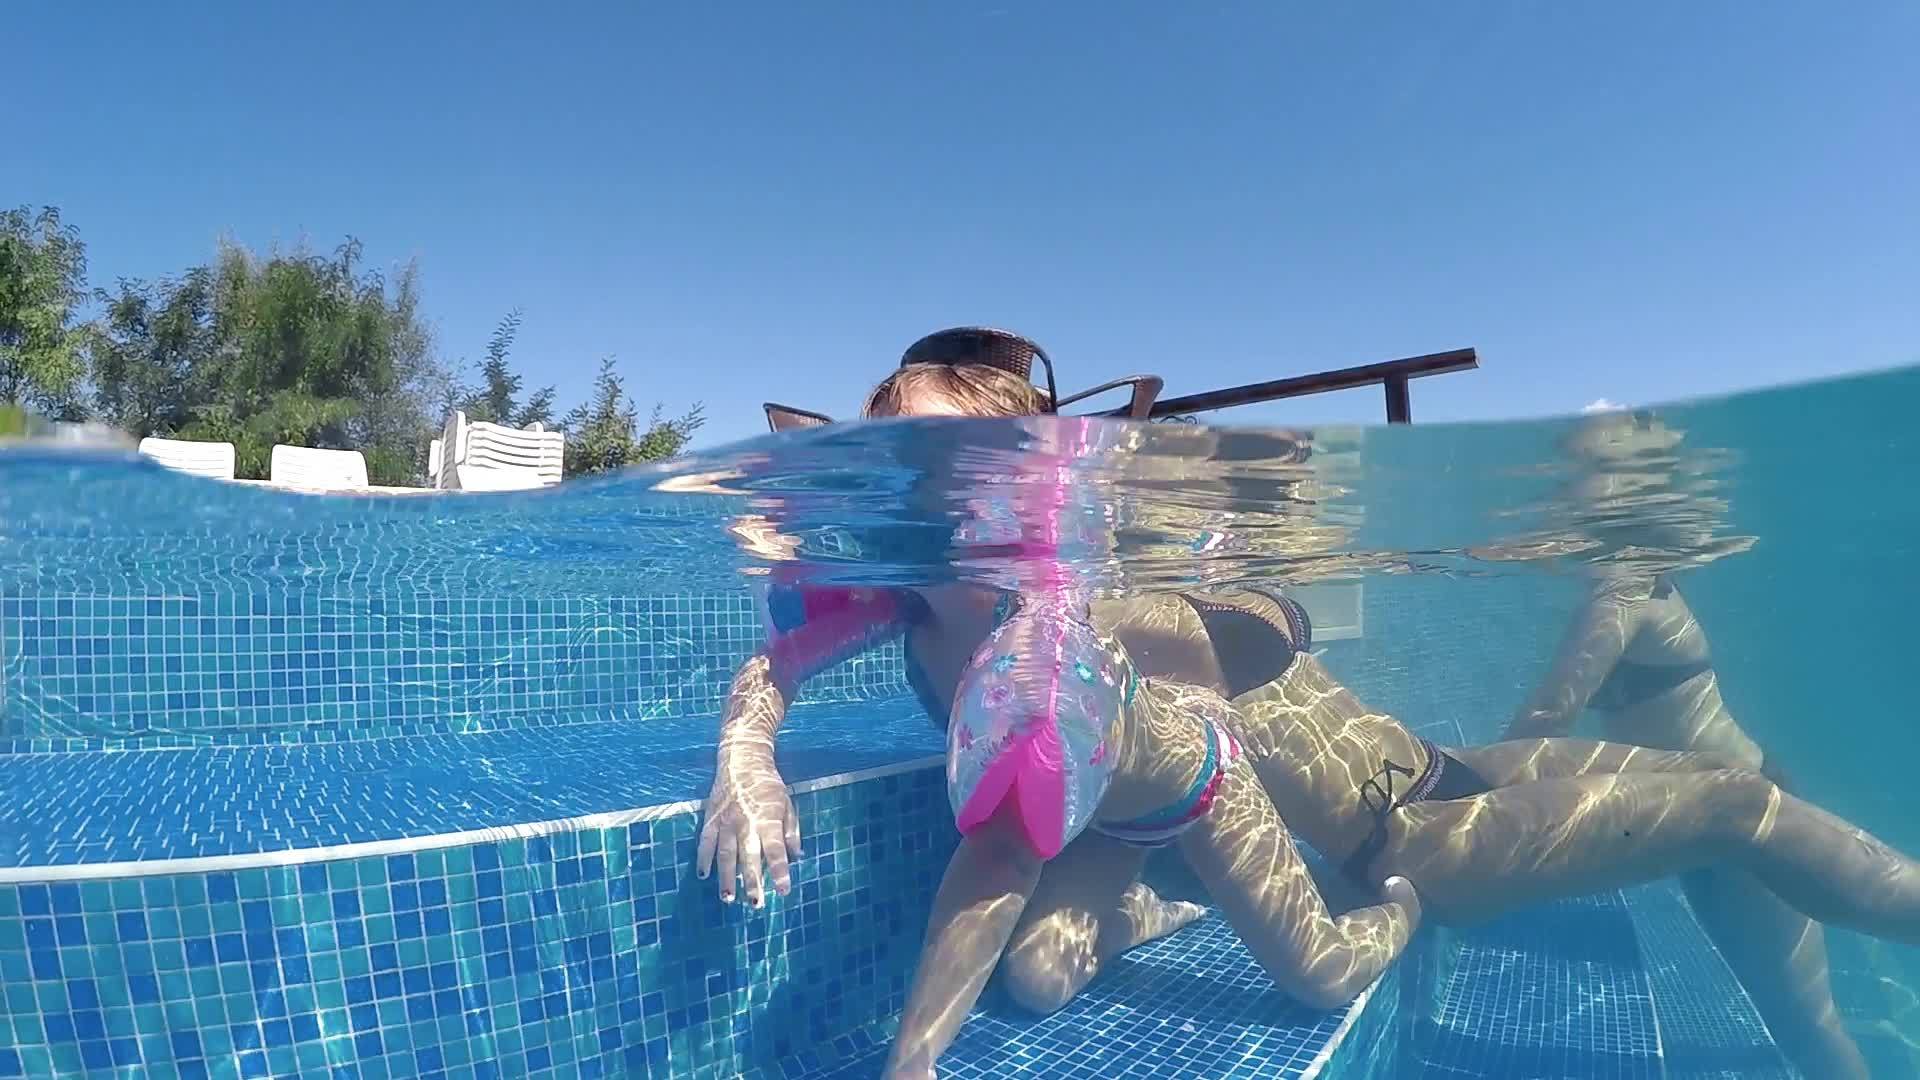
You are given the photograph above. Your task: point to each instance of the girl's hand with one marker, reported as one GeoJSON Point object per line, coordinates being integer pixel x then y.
{"type": "Point", "coordinates": [750, 818]}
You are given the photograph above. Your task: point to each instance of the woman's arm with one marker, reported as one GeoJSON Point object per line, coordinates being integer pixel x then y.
{"type": "Point", "coordinates": [986, 887]}
{"type": "Point", "coordinates": [749, 816]}
{"type": "Point", "coordinates": [1589, 649]}
{"type": "Point", "coordinates": [1243, 854]}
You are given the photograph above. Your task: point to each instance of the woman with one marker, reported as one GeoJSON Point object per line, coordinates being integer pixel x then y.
{"type": "Point", "coordinates": [1090, 905]}
{"type": "Point", "coordinates": [1636, 655]}
{"type": "Point", "coordinates": [1054, 732]}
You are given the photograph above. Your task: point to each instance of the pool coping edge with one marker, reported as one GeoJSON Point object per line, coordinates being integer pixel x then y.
{"type": "Point", "coordinates": [203, 864]}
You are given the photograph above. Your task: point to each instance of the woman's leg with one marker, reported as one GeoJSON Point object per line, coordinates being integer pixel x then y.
{"type": "Point", "coordinates": [1473, 858]}
{"type": "Point", "coordinates": [1089, 907]}
{"type": "Point", "coordinates": [1778, 954]}
{"type": "Point", "coordinates": [1523, 761]}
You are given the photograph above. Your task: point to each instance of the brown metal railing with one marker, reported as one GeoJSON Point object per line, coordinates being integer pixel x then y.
{"type": "Point", "coordinates": [1394, 375]}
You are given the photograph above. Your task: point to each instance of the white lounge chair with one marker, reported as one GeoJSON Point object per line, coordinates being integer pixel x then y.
{"type": "Point", "coordinates": [433, 463]}
{"type": "Point", "coordinates": [210, 459]}
{"type": "Point", "coordinates": [309, 469]}
{"type": "Point", "coordinates": [478, 456]}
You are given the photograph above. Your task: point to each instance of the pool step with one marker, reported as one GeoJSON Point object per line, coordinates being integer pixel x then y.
{"type": "Point", "coordinates": [1193, 1005]}
{"type": "Point", "coordinates": [1608, 987]}
{"type": "Point", "coordinates": [1552, 992]}
{"type": "Point", "coordinates": [1709, 1030]}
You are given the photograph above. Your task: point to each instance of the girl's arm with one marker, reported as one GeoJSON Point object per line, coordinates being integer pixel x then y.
{"type": "Point", "coordinates": [1588, 652]}
{"type": "Point", "coordinates": [1243, 854]}
{"type": "Point", "coordinates": [986, 887]}
{"type": "Point", "coordinates": [749, 816]}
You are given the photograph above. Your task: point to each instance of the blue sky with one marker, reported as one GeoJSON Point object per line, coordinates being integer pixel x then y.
{"type": "Point", "coordinates": [1636, 201]}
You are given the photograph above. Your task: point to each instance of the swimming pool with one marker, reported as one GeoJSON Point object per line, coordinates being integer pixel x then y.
{"type": "Point", "coordinates": [406, 787]}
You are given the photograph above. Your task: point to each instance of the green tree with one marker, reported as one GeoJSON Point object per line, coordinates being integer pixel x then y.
{"type": "Point", "coordinates": [494, 402]}
{"type": "Point", "coordinates": [150, 353]}
{"type": "Point", "coordinates": [604, 432]}
{"type": "Point", "coordinates": [497, 399]}
{"type": "Point", "coordinates": [315, 351]}
{"type": "Point", "coordinates": [537, 410]}
{"type": "Point", "coordinates": [299, 348]}
{"type": "Point", "coordinates": [43, 268]}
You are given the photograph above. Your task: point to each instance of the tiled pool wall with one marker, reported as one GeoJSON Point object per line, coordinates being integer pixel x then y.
{"type": "Point", "coordinates": [580, 952]}
{"type": "Point", "coordinates": [571, 954]}
{"type": "Point", "coordinates": [94, 672]}
{"type": "Point", "coordinates": [576, 952]}
{"type": "Point", "coordinates": [606, 909]}
{"type": "Point", "coordinates": [587, 951]}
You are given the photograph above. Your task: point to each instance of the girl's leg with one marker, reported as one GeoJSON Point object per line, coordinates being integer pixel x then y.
{"type": "Point", "coordinates": [1089, 907]}
{"type": "Point", "coordinates": [1473, 858]}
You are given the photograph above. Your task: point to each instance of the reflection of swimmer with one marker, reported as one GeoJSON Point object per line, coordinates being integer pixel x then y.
{"type": "Point", "coordinates": [1053, 732]}
{"type": "Point", "coordinates": [1636, 655]}
{"type": "Point", "coordinates": [1090, 905]}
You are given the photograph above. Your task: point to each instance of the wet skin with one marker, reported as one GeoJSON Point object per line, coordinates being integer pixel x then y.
{"type": "Point", "coordinates": [1779, 955]}
{"type": "Point", "coordinates": [1566, 816]}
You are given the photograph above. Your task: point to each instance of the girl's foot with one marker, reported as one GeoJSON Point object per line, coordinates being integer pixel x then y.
{"type": "Point", "coordinates": [1153, 918]}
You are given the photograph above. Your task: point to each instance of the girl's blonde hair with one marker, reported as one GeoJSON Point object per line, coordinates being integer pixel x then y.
{"type": "Point", "coordinates": [977, 389]}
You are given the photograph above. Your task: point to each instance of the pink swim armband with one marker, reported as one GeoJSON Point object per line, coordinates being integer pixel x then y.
{"type": "Point", "coordinates": [1031, 719]}
{"type": "Point", "coordinates": [810, 628]}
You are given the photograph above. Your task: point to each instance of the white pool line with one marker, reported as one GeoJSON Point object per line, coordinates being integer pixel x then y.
{"type": "Point", "coordinates": [1339, 1036]}
{"type": "Point", "coordinates": [206, 864]}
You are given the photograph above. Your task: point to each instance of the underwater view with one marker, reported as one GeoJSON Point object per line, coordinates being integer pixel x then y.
{"type": "Point", "coordinates": [1564, 748]}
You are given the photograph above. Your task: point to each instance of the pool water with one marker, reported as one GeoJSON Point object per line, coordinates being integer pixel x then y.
{"type": "Point", "coordinates": [408, 786]}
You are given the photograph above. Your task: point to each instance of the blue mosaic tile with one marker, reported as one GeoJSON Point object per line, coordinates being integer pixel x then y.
{"type": "Point", "coordinates": [1873, 983]}
{"type": "Point", "coordinates": [1551, 992]}
{"type": "Point", "coordinates": [130, 528]}
{"type": "Point", "coordinates": [84, 672]}
{"type": "Point", "coordinates": [157, 804]}
{"type": "Point", "coordinates": [588, 953]}
{"type": "Point", "coordinates": [1709, 1029]}
{"type": "Point", "coordinates": [1194, 1004]}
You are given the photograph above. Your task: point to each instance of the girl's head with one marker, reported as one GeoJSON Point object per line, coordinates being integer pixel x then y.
{"type": "Point", "coordinates": [954, 390]}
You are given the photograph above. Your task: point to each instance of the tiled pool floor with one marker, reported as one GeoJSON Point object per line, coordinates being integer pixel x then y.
{"type": "Point", "coordinates": [1564, 991]}
{"type": "Point", "coordinates": [1557, 991]}
{"type": "Point", "coordinates": [117, 806]}
{"type": "Point", "coordinates": [1616, 985]}
{"type": "Point", "coordinates": [1193, 1005]}
{"type": "Point", "coordinates": [1709, 1029]}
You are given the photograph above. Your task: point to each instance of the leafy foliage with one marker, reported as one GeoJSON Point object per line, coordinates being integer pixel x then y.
{"type": "Point", "coordinates": [291, 348]}
{"type": "Point", "coordinates": [43, 268]}
{"type": "Point", "coordinates": [287, 347]}
{"type": "Point", "coordinates": [604, 433]}
{"type": "Point", "coordinates": [148, 352]}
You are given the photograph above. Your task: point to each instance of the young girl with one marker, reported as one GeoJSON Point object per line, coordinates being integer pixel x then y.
{"type": "Point", "coordinates": [1054, 732]}
{"type": "Point", "coordinates": [1089, 905]}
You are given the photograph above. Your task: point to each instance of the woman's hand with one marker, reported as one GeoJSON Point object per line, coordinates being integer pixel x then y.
{"type": "Point", "coordinates": [750, 818]}
{"type": "Point", "coordinates": [916, 1070]}
{"type": "Point", "coordinates": [1398, 890]}
{"type": "Point", "coordinates": [918, 1067]}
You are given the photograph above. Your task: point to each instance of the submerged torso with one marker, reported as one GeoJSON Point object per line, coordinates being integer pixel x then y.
{"type": "Point", "coordinates": [1326, 759]}
{"type": "Point", "coordinates": [1663, 692]}
{"type": "Point", "coordinates": [1162, 635]}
